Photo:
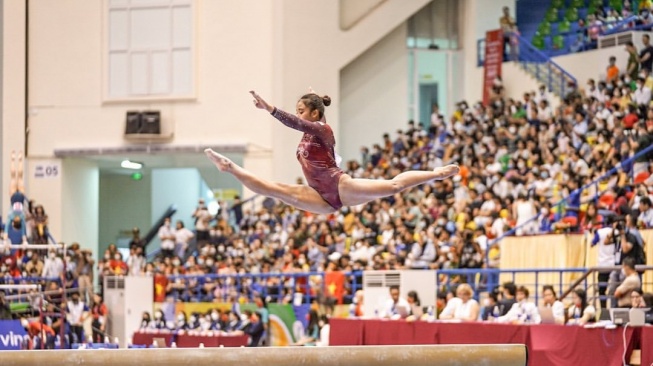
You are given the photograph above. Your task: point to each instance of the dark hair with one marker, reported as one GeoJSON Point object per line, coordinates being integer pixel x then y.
{"type": "Point", "coordinates": [523, 290]}
{"type": "Point", "coordinates": [511, 288]}
{"type": "Point", "coordinates": [315, 102]}
{"type": "Point", "coordinates": [583, 297]}
{"type": "Point", "coordinates": [394, 287]}
{"type": "Point", "coordinates": [550, 288]}
{"type": "Point", "coordinates": [629, 262]}
{"type": "Point", "coordinates": [415, 296]}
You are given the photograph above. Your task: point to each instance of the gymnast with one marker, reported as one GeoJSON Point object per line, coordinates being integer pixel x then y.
{"type": "Point", "coordinates": [329, 187]}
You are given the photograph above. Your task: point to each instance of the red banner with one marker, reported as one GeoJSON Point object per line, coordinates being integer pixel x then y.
{"type": "Point", "coordinates": [335, 285]}
{"type": "Point", "coordinates": [493, 60]}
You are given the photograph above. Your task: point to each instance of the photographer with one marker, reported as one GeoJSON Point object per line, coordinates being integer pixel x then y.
{"type": "Point", "coordinates": [626, 246]}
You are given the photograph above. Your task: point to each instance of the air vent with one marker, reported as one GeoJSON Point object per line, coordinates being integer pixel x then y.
{"type": "Point", "coordinates": [115, 282]}
{"type": "Point", "coordinates": [392, 279]}
{"type": "Point", "coordinates": [373, 280]}
{"type": "Point", "coordinates": [381, 279]}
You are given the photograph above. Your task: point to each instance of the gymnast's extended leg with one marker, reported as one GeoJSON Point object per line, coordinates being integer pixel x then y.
{"type": "Point", "coordinates": [303, 197]}
{"type": "Point", "coordinates": [358, 191]}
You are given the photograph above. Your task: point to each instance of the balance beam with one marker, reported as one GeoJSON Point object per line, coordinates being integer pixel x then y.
{"type": "Point", "coordinates": [440, 355]}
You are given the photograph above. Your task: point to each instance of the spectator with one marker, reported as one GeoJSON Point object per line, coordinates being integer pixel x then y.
{"type": "Point", "coordinates": [646, 54]}
{"type": "Point", "coordinates": [135, 262]}
{"type": "Point", "coordinates": [631, 282]}
{"type": "Point", "coordinates": [146, 321]}
{"type": "Point", "coordinates": [77, 314]}
{"type": "Point", "coordinates": [507, 24]}
{"type": "Point", "coordinates": [581, 312]}
{"type": "Point", "coordinates": [392, 305]}
{"type": "Point", "coordinates": [40, 235]}
{"type": "Point", "coordinates": [100, 316]}
{"type": "Point", "coordinates": [53, 265]}
{"type": "Point", "coordinates": [637, 298]}
{"type": "Point", "coordinates": [507, 297]}
{"type": "Point", "coordinates": [136, 241]}
{"type": "Point", "coordinates": [632, 69]}
{"type": "Point", "coordinates": [255, 329]}
{"type": "Point", "coordinates": [464, 308]}
{"type": "Point", "coordinates": [202, 218]}
{"type": "Point", "coordinates": [645, 218]}
{"type": "Point", "coordinates": [312, 331]}
{"type": "Point", "coordinates": [183, 237]}
{"type": "Point", "coordinates": [551, 301]}
{"type": "Point", "coordinates": [167, 237]}
{"type": "Point", "coordinates": [35, 265]}
{"type": "Point", "coordinates": [523, 311]}
{"type": "Point", "coordinates": [612, 70]}
{"type": "Point", "coordinates": [84, 273]}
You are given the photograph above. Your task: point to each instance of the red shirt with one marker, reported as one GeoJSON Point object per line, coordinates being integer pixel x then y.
{"type": "Point", "coordinates": [629, 120]}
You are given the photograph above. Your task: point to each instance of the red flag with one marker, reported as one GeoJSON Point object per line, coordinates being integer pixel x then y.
{"type": "Point", "coordinates": [493, 60]}
{"type": "Point", "coordinates": [335, 285]}
{"type": "Point", "coordinates": [160, 284]}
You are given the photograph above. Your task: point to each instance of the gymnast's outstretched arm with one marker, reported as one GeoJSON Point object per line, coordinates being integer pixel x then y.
{"type": "Point", "coordinates": [289, 119]}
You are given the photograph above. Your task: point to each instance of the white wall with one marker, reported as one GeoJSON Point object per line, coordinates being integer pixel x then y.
{"type": "Point", "coordinates": [479, 16]}
{"type": "Point", "coordinates": [516, 82]}
{"type": "Point", "coordinates": [13, 90]}
{"type": "Point", "coordinates": [373, 94]}
{"type": "Point", "coordinates": [80, 196]}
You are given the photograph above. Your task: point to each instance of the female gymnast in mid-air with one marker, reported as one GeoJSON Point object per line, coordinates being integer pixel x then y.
{"type": "Point", "coordinates": [329, 187]}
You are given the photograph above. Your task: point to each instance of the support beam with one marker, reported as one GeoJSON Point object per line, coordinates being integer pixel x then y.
{"type": "Point", "coordinates": [441, 355]}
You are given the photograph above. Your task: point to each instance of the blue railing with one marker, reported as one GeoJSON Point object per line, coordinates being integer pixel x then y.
{"type": "Point", "coordinates": [536, 62]}
{"type": "Point", "coordinates": [488, 279]}
{"type": "Point", "coordinates": [276, 286]}
{"type": "Point", "coordinates": [559, 204]}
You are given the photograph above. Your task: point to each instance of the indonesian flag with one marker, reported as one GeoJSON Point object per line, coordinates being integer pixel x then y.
{"type": "Point", "coordinates": [335, 285]}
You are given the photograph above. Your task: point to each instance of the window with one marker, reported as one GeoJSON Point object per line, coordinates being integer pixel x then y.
{"type": "Point", "coordinates": [150, 49]}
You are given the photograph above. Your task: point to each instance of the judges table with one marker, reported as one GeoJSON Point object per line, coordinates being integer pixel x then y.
{"type": "Point", "coordinates": [185, 340]}
{"type": "Point", "coordinates": [547, 344]}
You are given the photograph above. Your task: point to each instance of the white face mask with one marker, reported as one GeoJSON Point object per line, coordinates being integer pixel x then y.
{"type": "Point", "coordinates": [214, 316]}
{"type": "Point", "coordinates": [158, 316]}
{"type": "Point", "coordinates": [52, 255]}
{"type": "Point", "coordinates": [180, 317]}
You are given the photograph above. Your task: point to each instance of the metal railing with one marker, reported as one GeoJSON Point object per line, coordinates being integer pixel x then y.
{"type": "Point", "coordinates": [275, 286]}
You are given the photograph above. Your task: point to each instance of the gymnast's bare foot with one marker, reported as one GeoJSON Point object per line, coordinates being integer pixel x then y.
{"type": "Point", "coordinates": [447, 171]}
{"type": "Point", "coordinates": [221, 162]}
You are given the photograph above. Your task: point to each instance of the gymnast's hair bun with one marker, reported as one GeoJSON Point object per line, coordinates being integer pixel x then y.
{"type": "Point", "coordinates": [326, 100]}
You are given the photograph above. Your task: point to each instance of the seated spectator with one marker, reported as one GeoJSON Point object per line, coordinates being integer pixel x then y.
{"type": "Point", "coordinates": [507, 301]}
{"type": "Point", "coordinates": [312, 331]}
{"type": "Point", "coordinates": [392, 305]}
{"type": "Point", "coordinates": [580, 312]}
{"type": "Point", "coordinates": [254, 329]}
{"type": "Point", "coordinates": [159, 320]}
{"type": "Point", "coordinates": [463, 307]}
{"type": "Point", "coordinates": [492, 309]}
{"type": "Point", "coordinates": [100, 316]}
{"type": "Point", "coordinates": [551, 300]}
{"type": "Point", "coordinates": [523, 311]}
{"type": "Point", "coordinates": [146, 321]}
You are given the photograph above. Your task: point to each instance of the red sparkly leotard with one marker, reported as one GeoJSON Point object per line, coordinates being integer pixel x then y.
{"type": "Point", "coordinates": [316, 155]}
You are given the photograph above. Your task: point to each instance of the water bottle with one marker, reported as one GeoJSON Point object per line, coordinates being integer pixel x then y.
{"type": "Point", "coordinates": [576, 315]}
{"type": "Point", "coordinates": [496, 313]}
{"type": "Point", "coordinates": [430, 312]}
{"type": "Point", "coordinates": [528, 319]}
{"type": "Point", "coordinates": [376, 313]}
{"type": "Point", "coordinates": [352, 311]}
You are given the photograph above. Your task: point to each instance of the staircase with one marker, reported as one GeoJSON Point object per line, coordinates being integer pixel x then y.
{"type": "Point", "coordinates": [544, 69]}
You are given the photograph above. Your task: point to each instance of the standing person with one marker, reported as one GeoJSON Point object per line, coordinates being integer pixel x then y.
{"type": "Point", "coordinates": [507, 24]}
{"type": "Point", "coordinates": [202, 218]}
{"type": "Point", "coordinates": [100, 315]}
{"type": "Point", "coordinates": [329, 187]}
{"type": "Point", "coordinates": [84, 271]}
{"type": "Point", "coordinates": [632, 69]}
{"type": "Point", "coordinates": [646, 54]}
{"type": "Point", "coordinates": [77, 314]}
{"type": "Point", "coordinates": [167, 237]}
{"type": "Point", "coordinates": [137, 241]}
{"type": "Point", "coordinates": [182, 239]}
{"type": "Point", "coordinates": [604, 238]}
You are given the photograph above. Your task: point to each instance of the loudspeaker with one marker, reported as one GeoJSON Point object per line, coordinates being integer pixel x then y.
{"type": "Point", "coordinates": [134, 121]}
{"type": "Point", "coordinates": [151, 122]}
{"type": "Point", "coordinates": [148, 122]}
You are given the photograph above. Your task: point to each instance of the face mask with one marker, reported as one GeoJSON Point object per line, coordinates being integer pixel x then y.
{"type": "Point", "coordinates": [620, 83]}
{"type": "Point", "coordinates": [117, 257]}
{"type": "Point", "coordinates": [29, 254]}
{"type": "Point", "coordinates": [544, 211]}
{"type": "Point", "coordinates": [221, 248]}
{"type": "Point", "coordinates": [158, 316]}
{"type": "Point", "coordinates": [52, 255]}
{"type": "Point", "coordinates": [512, 129]}
{"type": "Point", "coordinates": [3, 268]}
{"type": "Point", "coordinates": [200, 261]}
{"type": "Point", "coordinates": [627, 80]}
{"type": "Point", "coordinates": [212, 251]}
{"type": "Point", "coordinates": [520, 165]}
{"type": "Point", "coordinates": [176, 262]}
{"type": "Point", "coordinates": [601, 139]}
{"type": "Point", "coordinates": [214, 316]}
{"type": "Point", "coordinates": [24, 323]}
{"type": "Point", "coordinates": [302, 261]}
{"type": "Point", "coordinates": [193, 319]}
{"type": "Point", "coordinates": [209, 263]}
{"type": "Point", "coordinates": [180, 317]}
{"type": "Point", "coordinates": [107, 257]}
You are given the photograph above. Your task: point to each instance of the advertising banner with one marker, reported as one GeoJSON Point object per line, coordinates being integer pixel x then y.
{"type": "Point", "coordinates": [493, 60]}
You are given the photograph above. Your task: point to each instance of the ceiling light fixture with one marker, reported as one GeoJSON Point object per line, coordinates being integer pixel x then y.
{"type": "Point", "coordinates": [131, 165]}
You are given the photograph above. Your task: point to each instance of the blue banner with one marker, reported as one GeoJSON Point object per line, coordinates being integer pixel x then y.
{"type": "Point", "coordinates": [12, 335]}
